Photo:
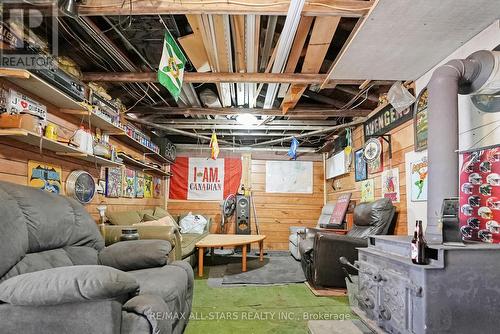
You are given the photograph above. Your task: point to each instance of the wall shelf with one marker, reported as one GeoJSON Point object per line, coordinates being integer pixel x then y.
{"type": "Point", "coordinates": [139, 164]}
{"type": "Point", "coordinates": [38, 87]}
{"type": "Point", "coordinates": [125, 138]}
{"type": "Point", "coordinates": [96, 121]}
{"type": "Point", "coordinates": [34, 139]}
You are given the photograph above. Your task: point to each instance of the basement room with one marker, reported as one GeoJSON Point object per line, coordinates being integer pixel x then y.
{"type": "Point", "coordinates": [249, 166]}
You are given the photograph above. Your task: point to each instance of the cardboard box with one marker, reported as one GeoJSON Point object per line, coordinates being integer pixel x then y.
{"type": "Point", "coordinates": [24, 121]}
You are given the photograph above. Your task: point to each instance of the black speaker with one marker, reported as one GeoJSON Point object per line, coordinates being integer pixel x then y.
{"type": "Point", "coordinates": [243, 215]}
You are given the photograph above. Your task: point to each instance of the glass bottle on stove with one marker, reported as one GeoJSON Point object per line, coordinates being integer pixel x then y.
{"type": "Point", "coordinates": [418, 245]}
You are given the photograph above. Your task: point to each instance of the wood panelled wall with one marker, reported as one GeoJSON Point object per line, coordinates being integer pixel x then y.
{"type": "Point", "coordinates": [14, 158]}
{"type": "Point", "coordinates": [402, 142]}
{"type": "Point", "coordinates": [275, 212]}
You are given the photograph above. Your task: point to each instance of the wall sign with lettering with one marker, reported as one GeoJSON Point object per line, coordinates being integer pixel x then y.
{"type": "Point", "coordinates": [385, 120]}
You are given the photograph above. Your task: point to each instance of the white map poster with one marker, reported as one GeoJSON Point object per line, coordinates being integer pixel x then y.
{"type": "Point", "coordinates": [289, 177]}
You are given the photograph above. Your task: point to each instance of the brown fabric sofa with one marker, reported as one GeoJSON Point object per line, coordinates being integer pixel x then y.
{"type": "Point", "coordinates": [183, 244]}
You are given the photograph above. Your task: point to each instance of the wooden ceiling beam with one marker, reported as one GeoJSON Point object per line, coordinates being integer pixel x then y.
{"type": "Point", "coordinates": [321, 36]}
{"type": "Point", "coordinates": [344, 8]}
{"type": "Point", "coordinates": [211, 77]}
{"type": "Point", "coordinates": [214, 77]}
{"type": "Point", "coordinates": [171, 111]}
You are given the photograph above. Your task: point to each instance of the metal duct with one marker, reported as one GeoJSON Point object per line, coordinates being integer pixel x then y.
{"type": "Point", "coordinates": [459, 76]}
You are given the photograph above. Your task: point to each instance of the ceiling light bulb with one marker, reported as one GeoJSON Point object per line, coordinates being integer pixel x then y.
{"type": "Point", "coordinates": [246, 119]}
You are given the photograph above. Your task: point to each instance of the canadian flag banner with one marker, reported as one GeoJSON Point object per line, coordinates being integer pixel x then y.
{"type": "Point", "coordinates": [203, 179]}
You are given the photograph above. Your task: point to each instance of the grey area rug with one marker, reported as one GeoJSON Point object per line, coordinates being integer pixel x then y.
{"type": "Point", "coordinates": [273, 270]}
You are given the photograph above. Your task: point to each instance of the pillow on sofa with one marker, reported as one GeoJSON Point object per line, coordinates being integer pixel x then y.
{"type": "Point", "coordinates": [160, 212]}
{"type": "Point", "coordinates": [144, 212]}
{"type": "Point", "coordinates": [165, 221]}
{"type": "Point", "coordinates": [124, 217]}
{"type": "Point", "coordinates": [152, 221]}
{"type": "Point", "coordinates": [67, 285]}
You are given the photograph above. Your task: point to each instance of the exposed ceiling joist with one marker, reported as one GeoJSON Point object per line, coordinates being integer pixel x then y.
{"type": "Point", "coordinates": [196, 77]}
{"type": "Point", "coordinates": [242, 127]}
{"type": "Point", "coordinates": [274, 149]}
{"type": "Point", "coordinates": [221, 121]}
{"type": "Point", "coordinates": [297, 47]}
{"type": "Point", "coordinates": [321, 36]}
{"type": "Point", "coordinates": [254, 134]}
{"type": "Point", "coordinates": [171, 111]}
{"type": "Point", "coordinates": [345, 8]}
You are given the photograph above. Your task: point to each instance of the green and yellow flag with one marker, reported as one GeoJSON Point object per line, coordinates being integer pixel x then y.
{"type": "Point", "coordinates": [171, 69]}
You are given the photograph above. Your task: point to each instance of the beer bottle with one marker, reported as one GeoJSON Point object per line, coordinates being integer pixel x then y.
{"type": "Point", "coordinates": [418, 245]}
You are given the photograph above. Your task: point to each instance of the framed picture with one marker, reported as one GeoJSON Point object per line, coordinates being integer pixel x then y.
{"type": "Point", "coordinates": [156, 187]}
{"type": "Point", "coordinates": [128, 184]}
{"type": "Point", "coordinates": [139, 185]}
{"type": "Point", "coordinates": [101, 187]}
{"type": "Point", "coordinates": [377, 165]}
{"type": "Point", "coordinates": [418, 177]}
{"type": "Point", "coordinates": [360, 167]}
{"type": "Point", "coordinates": [420, 121]}
{"type": "Point", "coordinates": [45, 176]}
{"type": "Point", "coordinates": [390, 184]}
{"type": "Point", "coordinates": [368, 190]}
{"type": "Point", "coordinates": [113, 182]}
{"type": "Point", "coordinates": [148, 186]}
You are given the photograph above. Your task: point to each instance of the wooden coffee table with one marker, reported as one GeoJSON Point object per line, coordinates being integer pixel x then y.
{"type": "Point", "coordinates": [229, 240]}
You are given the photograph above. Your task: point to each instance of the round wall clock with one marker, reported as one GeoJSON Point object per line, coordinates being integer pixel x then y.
{"type": "Point", "coordinates": [372, 149]}
{"type": "Point", "coordinates": [81, 186]}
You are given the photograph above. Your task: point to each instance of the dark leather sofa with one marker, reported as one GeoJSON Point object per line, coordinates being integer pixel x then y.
{"type": "Point", "coordinates": [320, 249]}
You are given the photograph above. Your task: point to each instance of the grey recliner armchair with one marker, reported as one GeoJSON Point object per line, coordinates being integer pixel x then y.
{"type": "Point", "coordinates": [56, 276]}
{"type": "Point", "coordinates": [321, 251]}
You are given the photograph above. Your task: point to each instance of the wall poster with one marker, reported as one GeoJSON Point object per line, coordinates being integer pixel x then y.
{"type": "Point", "coordinates": [45, 176]}
{"type": "Point", "coordinates": [202, 179]}
{"type": "Point", "coordinates": [156, 187]}
{"type": "Point", "coordinates": [418, 179]}
{"type": "Point", "coordinates": [420, 122]}
{"type": "Point", "coordinates": [139, 184]}
{"type": "Point", "coordinates": [480, 196]}
{"type": "Point", "coordinates": [148, 186]}
{"type": "Point", "coordinates": [367, 190]}
{"type": "Point", "coordinates": [113, 182]}
{"type": "Point", "coordinates": [128, 184]}
{"type": "Point", "coordinates": [390, 184]}
{"type": "Point", "coordinates": [360, 167]}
